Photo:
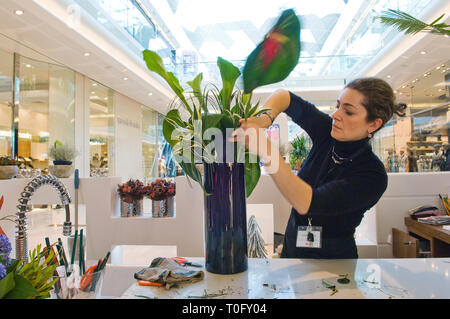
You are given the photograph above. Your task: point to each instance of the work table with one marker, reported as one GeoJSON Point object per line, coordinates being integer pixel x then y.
{"type": "Point", "coordinates": [307, 278]}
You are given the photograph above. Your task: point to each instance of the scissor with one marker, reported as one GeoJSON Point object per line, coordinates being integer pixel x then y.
{"type": "Point", "coordinates": [184, 262]}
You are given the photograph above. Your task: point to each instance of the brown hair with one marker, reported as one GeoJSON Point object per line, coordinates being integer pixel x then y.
{"type": "Point", "coordinates": [379, 99]}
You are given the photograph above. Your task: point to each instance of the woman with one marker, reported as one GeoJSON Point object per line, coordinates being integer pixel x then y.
{"type": "Point", "coordinates": [341, 178]}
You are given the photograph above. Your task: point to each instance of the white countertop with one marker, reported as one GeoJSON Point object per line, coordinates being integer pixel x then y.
{"type": "Point", "coordinates": [303, 278]}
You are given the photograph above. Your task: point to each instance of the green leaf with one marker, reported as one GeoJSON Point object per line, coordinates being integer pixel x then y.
{"type": "Point", "coordinates": [252, 175]}
{"type": "Point", "coordinates": [7, 284]}
{"type": "Point", "coordinates": [411, 25]}
{"type": "Point", "coordinates": [155, 64]}
{"type": "Point", "coordinates": [13, 266]}
{"type": "Point", "coordinates": [343, 281]}
{"type": "Point", "coordinates": [171, 121]}
{"type": "Point", "coordinates": [229, 74]}
{"type": "Point", "coordinates": [23, 289]}
{"type": "Point", "coordinates": [275, 57]}
{"type": "Point", "coordinates": [210, 121]}
{"type": "Point", "coordinates": [195, 84]}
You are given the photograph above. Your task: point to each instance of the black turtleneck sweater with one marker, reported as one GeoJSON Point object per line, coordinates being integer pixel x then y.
{"type": "Point", "coordinates": [342, 193]}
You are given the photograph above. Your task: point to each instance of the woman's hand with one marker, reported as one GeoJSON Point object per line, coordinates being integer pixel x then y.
{"type": "Point", "coordinates": [251, 135]}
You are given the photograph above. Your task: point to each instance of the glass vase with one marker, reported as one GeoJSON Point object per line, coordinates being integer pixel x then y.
{"type": "Point", "coordinates": [225, 218]}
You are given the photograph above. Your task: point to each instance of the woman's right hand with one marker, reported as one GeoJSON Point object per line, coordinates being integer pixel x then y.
{"type": "Point", "coordinates": [262, 121]}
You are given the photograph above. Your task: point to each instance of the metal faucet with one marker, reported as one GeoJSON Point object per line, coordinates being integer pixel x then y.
{"type": "Point", "coordinates": [28, 191]}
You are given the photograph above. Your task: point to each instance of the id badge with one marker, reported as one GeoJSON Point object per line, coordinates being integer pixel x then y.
{"type": "Point", "coordinates": [309, 236]}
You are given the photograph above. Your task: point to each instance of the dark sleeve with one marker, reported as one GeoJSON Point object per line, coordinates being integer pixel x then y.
{"type": "Point", "coordinates": [315, 123]}
{"type": "Point", "coordinates": [360, 191]}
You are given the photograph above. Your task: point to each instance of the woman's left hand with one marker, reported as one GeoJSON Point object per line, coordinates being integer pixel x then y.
{"type": "Point", "coordinates": [252, 136]}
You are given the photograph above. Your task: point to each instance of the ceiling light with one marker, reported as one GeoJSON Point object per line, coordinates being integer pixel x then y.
{"type": "Point", "coordinates": [403, 86]}
{"type": "Point", "coordinates": [28, 65]}
{"type": "Point", "coordinates": [87, 54]}
{"type": "Point", "coordinates": [423, 52]}
{"type": "Point", "coordinates": [395, 91]}
{"type": "Point", "coordinates": [389, 76]}
{"type": "Point", "coordinates": [106, 99]}
{"type": "Point", "coordinates": [438, 68]}
{"type": "Point", "coordinates": [150, 94]}
{"type": "Point", "coordinates": [92, 92]}
{"type": "Point", "coordinates": [94, 84]}
{"type": "Point", "coordinates": [125, 78]}
{"type": "Point", "coordinates": [19, 12]}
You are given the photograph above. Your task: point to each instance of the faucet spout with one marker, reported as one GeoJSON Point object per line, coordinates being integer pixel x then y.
{"type": "Point", "coordinates": [25, 196]}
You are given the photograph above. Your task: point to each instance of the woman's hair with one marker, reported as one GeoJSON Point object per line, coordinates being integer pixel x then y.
{"type": "Point", "coordinates": [379, 99]}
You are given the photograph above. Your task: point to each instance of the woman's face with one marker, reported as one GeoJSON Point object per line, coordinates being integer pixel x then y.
{"type": "Point", "coordinates": [349, 119]}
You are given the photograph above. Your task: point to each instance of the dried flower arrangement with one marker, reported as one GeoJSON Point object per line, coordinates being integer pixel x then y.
{"type": "Point", "coordinates": [161, 189]}
{"type": "Point", "coordinates": [133, 190]}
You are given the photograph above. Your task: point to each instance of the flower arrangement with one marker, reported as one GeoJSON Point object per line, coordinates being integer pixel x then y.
{"type": "Point", "coordinates": [133, 190]}
{"type": "Point", "coordinates": [271, 61]}
{"type": "Point", "coordinates": [161, 189]}
{"type": "Point", "coordinates": [25, 280]}
{"type": "Point", "coordinates": [62, 152]}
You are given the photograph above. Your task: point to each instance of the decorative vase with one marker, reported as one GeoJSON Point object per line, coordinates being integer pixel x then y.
{"type": "Point", "coordinates": [131, 209]}
{"type": "Point", "coordinates": [8, 171]}
{"type": "Point", "coordinates": [61, 169]}
{"type": "Point", "coordinates": [225, 218]}
{"type": "Point", "coordinates": [163, 208]}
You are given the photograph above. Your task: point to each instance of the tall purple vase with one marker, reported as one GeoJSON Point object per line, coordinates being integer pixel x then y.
{"type": "Point", "coordinates": [225, 218]}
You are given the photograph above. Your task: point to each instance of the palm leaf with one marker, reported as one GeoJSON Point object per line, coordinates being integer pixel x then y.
{"type": "Point", "coordinates": [411, 25]}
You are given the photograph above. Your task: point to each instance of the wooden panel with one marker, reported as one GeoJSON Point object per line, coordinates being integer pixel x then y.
{"type": "Point", "coordinates": [403, 245]}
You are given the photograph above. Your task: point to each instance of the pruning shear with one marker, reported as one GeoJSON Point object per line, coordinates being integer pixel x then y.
{"type": "Point", "coordinates": [184, 262]}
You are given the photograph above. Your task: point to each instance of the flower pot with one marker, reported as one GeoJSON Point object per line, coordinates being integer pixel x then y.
{"type": "Point", "coordinates": [61, 171]}
{"type": "Point", "coordinates": [8, 171]}
{"type": "Point", "coordinates": [131, 209]}
{"type": "Point", "coordinates": [225, 218]}
{"type": "Point", "coordinates": [163, 208]}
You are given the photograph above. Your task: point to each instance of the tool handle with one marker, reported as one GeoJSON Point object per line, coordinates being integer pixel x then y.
{"type": "Point", "coordinates": [77, 179]}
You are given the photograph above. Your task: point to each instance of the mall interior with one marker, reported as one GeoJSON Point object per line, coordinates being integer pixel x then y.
{"type": "Point", "coordinates": [72, 73]}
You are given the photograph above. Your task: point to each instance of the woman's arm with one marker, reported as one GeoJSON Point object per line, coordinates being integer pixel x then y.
{"type": "Point", "coordinates": [297, 192]}
{"type": "Point", "coordinates": [277, 102]}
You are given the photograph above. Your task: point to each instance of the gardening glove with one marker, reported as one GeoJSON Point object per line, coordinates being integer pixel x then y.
{"type": "Point", "coordinates": [169, 272]}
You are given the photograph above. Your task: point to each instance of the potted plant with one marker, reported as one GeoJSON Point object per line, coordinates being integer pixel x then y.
{"type": "Point", "coordinates": [299, 152]}
{"type": "Point", "coordinates": [162, 193]}
{"type": "Point", "coordinates": [62, 155]}
{"type": "Point", "coordinates": [131, 195]}
{"type": "Point", "coordinates": [226, 183]}
{"type": "Point", "coordinates": [19, 279]}
{"type": "Point", "coordinates": [8, 168]}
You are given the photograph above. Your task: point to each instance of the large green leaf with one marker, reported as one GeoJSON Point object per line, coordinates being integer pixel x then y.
{"type": "Point", "coordinates": [7, 284]}
{"type": "Point", "coordinates": [171, 121]}
{"type": "Point", "coordinates": [229, 74]}
{"type": "Point", "coordinates": [252, 175]}
{"type": "Point", "coordinates": [23, 289]}
{"type": "Point", "coordinates": [275, 57]}
{"type": "Point", "coordinates": [155, 64]}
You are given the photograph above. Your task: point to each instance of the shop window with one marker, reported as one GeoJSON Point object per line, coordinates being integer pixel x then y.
{"type": "Point", "coordinates": [419, 142]}
{"type": "Point", "coordinates": [101, 130]}
{"type": "Point", "coordinates": [46, 110]}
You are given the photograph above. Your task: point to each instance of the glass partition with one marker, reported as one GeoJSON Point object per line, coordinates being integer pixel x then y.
{"type": "Point", "coordinates": [101, 130]}
{"type": "Point", "coordinates": [6, 91]}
